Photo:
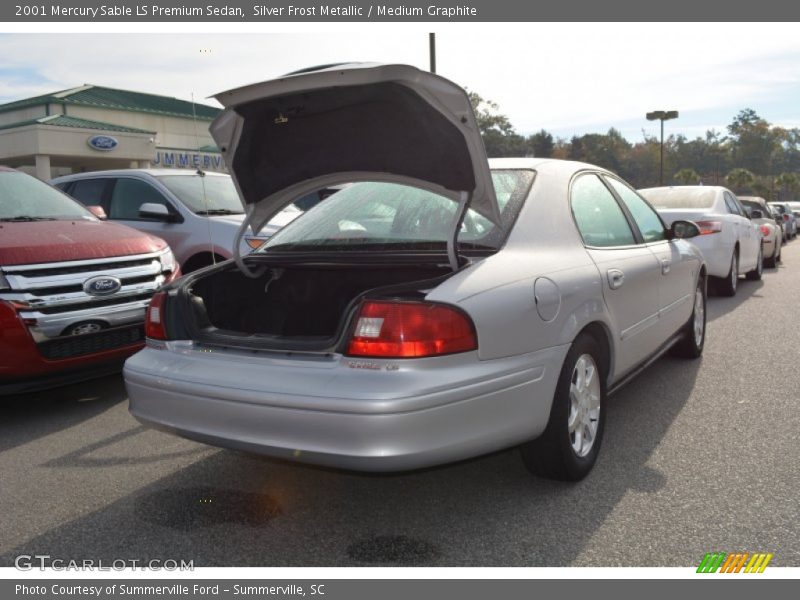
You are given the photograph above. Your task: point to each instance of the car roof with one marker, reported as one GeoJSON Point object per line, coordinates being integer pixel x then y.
{"type": "Point", "coordinates": [150, 172]}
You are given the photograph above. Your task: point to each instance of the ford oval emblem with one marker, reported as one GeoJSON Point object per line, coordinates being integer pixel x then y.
{"type": "Point", "coordinates": [102, 285]}
{"type": "Point", "coordinates": [103, 143]}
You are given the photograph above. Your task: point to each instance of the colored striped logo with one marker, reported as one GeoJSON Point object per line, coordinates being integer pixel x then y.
{"type": "Point", "coordinates": [737, 562]}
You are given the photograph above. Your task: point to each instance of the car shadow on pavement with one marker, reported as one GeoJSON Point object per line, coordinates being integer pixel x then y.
{"type": "Point", "coordinates": [27, 417]}
{"type": "Point", "coordinates": [718, 306]}
{"type": "Point", "coordinates": [232, 509]}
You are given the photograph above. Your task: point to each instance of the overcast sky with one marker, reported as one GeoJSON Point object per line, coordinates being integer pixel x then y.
{"type": "Point", "coordinates": [567, 78]}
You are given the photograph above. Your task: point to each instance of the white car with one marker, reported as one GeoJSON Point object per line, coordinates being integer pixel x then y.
{"type": "Point", "coordinates": [197, 213]}
{"type": "Point", "coordinates": [730, 242]}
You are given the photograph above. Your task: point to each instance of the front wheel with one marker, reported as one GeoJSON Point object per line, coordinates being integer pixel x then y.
{"type": "Point", "coordinates": [694, 332]}
{"type": "Point", "coordinates": [758, 270]}
{"type": "Point", "coordinates": [772, 261]}
{"type": "Point", "coordinates": [568, 448]}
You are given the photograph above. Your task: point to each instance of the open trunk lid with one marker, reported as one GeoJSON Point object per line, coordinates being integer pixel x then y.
{"type": "Point", "coordinates": [290, 136]}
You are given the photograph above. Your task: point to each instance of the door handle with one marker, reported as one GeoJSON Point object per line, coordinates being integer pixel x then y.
{"type": "Point", "coordinates": [666, 264]}
{"type": "Point", "coordinates": [615, 278]}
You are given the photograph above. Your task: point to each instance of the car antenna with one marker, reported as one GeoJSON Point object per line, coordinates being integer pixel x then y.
{"type": "Point", "coordinates": [202, 175]}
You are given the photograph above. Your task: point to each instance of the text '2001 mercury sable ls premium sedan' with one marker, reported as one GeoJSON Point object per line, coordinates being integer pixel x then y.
{"type": "Point", "coordinates": [439, 307]}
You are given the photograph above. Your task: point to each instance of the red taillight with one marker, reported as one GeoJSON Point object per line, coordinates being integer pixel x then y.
{"type": "Point", "coordinates": [765, 230]}
{"type": "Point", "coordinates": [410, 330]}
{"type": "Point", "coordinates": [154, 317]}
{"type": "Point", "coordinates": [708, 227]}
{"type": "Point", "coordinates": [785, 217]}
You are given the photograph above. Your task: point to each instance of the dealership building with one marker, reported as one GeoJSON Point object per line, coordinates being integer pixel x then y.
{"type": "Point", "coordinates": [91, 128]}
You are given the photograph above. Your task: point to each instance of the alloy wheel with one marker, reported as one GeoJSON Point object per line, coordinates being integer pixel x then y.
{"type": "Point", "coordinates": [584, 411]}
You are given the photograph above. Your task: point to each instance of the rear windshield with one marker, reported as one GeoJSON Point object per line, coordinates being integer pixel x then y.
{"type": "Point", "coordinates": [25, 198]}
{"type": "Point", "coordinates": [690, 198]}
{"type": "Point", "coordinates": [388, 216]}
{"type": "Point", "coordinates": [749, 205]}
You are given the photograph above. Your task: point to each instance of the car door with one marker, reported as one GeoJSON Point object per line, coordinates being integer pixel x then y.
{"type": "Point", "coordinates": [628, 269]}
{"type": "Point", "coordinates": [748, 240]}
{"type": "Point", "coordinates": [127, 196]}
{"type": "Point", "coordinates": [678, 268]}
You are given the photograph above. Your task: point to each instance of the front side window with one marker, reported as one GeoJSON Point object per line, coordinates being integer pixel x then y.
{"type": "Point", "coordinates": [599, 218]}
{"type": "Point", "coordinates": [207, 194]}
{"type": "Point", "coordinates": [646, 219]}
{"type": "Point", "coordinates": [388, 216]}
{"type": "Point", "coordinates": [25, 198]}
{"type": "Point", "coordinates": [129, 194]}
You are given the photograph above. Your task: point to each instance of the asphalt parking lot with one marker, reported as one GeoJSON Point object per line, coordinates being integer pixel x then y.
{"type": "Point", "coordinates": [698, 456]}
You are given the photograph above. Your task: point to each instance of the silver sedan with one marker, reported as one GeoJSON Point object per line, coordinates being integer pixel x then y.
{"type": "Point", "coordinates": [439, 307]}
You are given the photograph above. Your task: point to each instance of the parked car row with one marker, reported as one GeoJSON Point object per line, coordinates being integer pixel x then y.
{"type": "Point", "coordinates": [437, 306]}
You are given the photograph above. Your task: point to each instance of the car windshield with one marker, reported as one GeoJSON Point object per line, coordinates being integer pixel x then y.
{"type": "Point", "coordinates": [688, 198]}
{"type": "Point", "coordinates": [25, 198]}
{"type": "Point", "coordinates": [387, 216]}
{"type": "Point", "coordinates": [207, 194]}
{"type": "Point", "coordinates": [750, 206]}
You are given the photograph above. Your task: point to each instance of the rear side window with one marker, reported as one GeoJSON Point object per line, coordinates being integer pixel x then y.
{"type": "Point", "coordinates": [733, 208]}
{"type": "Point", "coordinates": [129, 195]}
{"type": "Point", "coordinates": [599, 218]}
{"type": "Point", "coordinates": [91, 192]}
{"type": "Point", "coordinates": [646, 219]}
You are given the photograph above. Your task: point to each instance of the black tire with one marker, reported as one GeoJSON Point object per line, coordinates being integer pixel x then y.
{"type": "Point", "coordinates": [755, 274]}
{"type": "Point", "coordinates": [727, 286]}
{"type": "Point", "coordinates": [552, 455]}
{"type": "Point", "coordinates": [691, 345]}
{"type": "Point", "coordinates": [772, 261]}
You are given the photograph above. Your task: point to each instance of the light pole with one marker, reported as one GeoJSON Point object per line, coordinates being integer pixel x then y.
{"type": "Point", "coordinates": [662, 115]}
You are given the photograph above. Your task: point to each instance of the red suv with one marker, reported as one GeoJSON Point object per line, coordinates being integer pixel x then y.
{"type": "Point", "coordinates": [73, 288]}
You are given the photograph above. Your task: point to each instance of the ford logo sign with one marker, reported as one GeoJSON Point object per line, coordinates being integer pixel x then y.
{"type": "Point", "coordinates": [103, 143]}
{"type": "Point", "coordinates": [102, 285]}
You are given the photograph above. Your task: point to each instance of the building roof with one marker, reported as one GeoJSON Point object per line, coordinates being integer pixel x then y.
{"type": "Point", "coordinates": [66, 121]}
{"type": "Point", "coordinates": [103, 97]}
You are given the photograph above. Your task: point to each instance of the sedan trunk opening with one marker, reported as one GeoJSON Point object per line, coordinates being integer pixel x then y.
{"type": "Point", "coordinates": [301, 307]}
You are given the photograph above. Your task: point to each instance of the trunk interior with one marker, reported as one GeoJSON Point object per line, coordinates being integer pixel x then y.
{"type": "Point", "coordinates": [298, 304]}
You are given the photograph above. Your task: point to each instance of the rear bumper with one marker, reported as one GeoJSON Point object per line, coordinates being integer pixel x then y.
{"type": "Point", "coordinates": [355, 418]}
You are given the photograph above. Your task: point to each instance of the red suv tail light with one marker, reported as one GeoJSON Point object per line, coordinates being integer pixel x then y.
{"type": "Point", "coordinates": [785, 217]}
{"type": "Point", "coordinates": [154, 317]}
{"type": "Point", "coordinates": [410, 330]}
{"type": "Point", "coordinates": [765, 231]}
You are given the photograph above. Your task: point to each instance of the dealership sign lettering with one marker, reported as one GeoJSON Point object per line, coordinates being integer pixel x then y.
{"type": "Point", "coordinates": [188, 160]}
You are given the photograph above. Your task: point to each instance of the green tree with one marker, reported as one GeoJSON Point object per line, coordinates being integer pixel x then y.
{"type": "Point", "coordinates": [788, 185]}
{"type": "Point", "coordinates": [754, 143]}
{"type": "Point", "coordinates": [687, 176]}
{"type": "Point", "coordinates": [541, 144]}
{"type": "Point", "coordinates": [740, 180]}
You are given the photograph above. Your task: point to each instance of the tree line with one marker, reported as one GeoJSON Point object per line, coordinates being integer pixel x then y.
{"type": "Point", "coordinates": [752, 157]}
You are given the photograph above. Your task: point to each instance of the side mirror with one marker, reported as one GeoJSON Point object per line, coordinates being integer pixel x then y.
{"type": "Point", "coordinates": [154, 210]}
{"type": "Point", "coordinates": [756, 214]}
{"type": "Point", "coordinates": [97, 211]}
{"type": "Point", "coordinates": [683, 230]}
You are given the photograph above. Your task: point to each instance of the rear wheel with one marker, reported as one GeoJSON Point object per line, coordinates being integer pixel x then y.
{"type": "Point", "coordinates": [727, 285]}
{"type": "Point", "coordinates": [773, 260]}
{"type": "Point", "coordinates": [568, 448]}
{"type": "Point", "coordinates": [694, 332]}
{"type": "Point", "coordinates": [756, 273]}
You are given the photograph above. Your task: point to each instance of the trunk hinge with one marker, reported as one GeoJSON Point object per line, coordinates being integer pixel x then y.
{"type": "Point", "coordinates": [452, 239]}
